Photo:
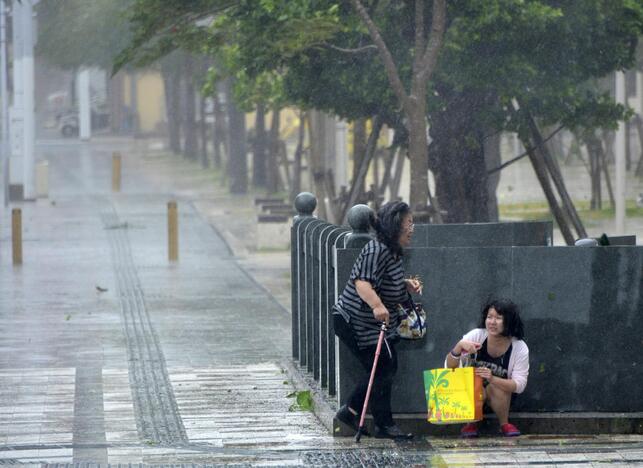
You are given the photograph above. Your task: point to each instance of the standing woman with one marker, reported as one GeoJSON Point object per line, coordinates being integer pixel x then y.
{"type": "Point", "coordinates": [501, 357]}
{"type": "Point", "coordinates": [376, 285]}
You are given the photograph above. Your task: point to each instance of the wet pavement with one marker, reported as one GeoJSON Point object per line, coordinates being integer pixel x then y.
{"type": "Point", "coordinates": [112, 355]}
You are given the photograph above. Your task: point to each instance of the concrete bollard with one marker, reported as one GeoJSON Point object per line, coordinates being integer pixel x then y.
{"type": "Point", "coordinates": [16, 235]}
{"type": "Point", "coordinates": [172, 231]}
{"type": "Point", "coordinates": [116, 171]}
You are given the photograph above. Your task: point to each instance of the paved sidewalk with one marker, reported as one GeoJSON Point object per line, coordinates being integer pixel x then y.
{"type": "Point", "coordinates": [111, 354]}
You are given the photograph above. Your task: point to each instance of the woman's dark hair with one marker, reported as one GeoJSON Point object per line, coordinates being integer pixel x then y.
{"type": "Point", "coordinates": [510, 317]}
{"type": "Point", "coordinates": [388, 225]}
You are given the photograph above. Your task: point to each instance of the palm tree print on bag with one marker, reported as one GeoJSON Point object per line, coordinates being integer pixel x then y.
{"type": "Point", "coordinates": [433, 381]}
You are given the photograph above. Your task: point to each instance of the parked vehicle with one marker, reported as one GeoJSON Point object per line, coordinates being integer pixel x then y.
{"type": "Point", "coordinates": [69, 122]}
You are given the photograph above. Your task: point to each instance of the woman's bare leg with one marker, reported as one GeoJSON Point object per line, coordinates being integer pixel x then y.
{"type": "Point", "coordinates": [499, 401]}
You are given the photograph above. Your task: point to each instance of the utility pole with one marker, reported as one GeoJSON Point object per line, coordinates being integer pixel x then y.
{"type": "Point", "coordinates": [4, 97]}
{"type": "Point", "coordinates": [28, 101]}
{"type": "Point", "coordinates": [22, 122]}
{"type": "Point", "coordinates": [16, 129]}
{"type": "Point", "coordinates": [619, 156]}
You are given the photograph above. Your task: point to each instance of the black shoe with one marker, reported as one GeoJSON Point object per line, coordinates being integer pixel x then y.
{"type": "Point", "coordinates": [391, 432]}
{"type": "Point", "coordinates": [351, 420]}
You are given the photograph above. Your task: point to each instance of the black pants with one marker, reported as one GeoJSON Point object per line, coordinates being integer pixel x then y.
{"type": "Point", "coordinates": [380, 399]}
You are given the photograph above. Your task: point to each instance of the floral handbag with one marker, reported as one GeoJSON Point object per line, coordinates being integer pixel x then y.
{"type": "Point", "coordinates": [412, 320]}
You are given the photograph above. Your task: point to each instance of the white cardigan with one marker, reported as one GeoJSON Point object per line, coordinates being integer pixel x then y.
{"type": "Point", "coordinates": [518, 362]}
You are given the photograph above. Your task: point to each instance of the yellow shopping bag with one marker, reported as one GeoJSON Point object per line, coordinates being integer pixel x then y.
{"type": "Point", "coordinates": [453, 395]}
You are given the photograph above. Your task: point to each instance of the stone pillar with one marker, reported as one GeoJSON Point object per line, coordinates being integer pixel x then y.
{"type": "Point", "coordinates": [305, 204]}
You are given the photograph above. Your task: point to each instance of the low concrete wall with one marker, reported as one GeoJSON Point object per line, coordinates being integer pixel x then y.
{"type": "Point", "coordinates": [582, 308]}
{"type": "Point", "coordinates": [583, 314]}
{"type": "Point", "coordinates": [520, 233]}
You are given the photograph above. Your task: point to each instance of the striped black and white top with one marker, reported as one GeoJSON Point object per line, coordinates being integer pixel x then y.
{"type": "Point", "coordinates": [377, 265]}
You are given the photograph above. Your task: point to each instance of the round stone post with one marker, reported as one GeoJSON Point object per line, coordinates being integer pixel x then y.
{"type": "Point", "coordinates": [360, 218]}
{"type": "Point", "coordinates": [172, 231]}
{"type": "Point", "coordinates": [305, 204]}
{"type": "Point", "coordinates": [116, 171]}
{"type": "Point", "coordinates": [16, 235]}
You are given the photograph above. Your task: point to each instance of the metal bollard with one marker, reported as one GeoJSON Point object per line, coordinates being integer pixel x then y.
{"type": "Point", "coordinates": [172, 231]}
{"type": "Point", "coordinates": [16, 235]}
{"type": "Point", "coordinates": [116, 171]}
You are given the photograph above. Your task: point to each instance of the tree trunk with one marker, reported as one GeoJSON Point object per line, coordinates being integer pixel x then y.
{"type": "Point", "coordinates": [425, 56]}
{"type": "Point", "coordinates": [296, 173]}
{"type": "Point", "coordinates": [457, 159]}
{"type": "Point", "coordinates": [556, 176]}
{"type": "Point", "coordinates": [316, 160]}
{"type": "Point", "coordinates": [418, 154]}
{"type": "Point", "coordinates": [595, 171]}
{"type": "Point", "coordinates": [493, 158]}
{"type": "Point", "coordinates": [237, 162]}
{"type": "Point", "coordinates": [397, 173]}
{"type": "Point", "coordinates": [172, 84]}
{"type": "Point", "coordinates": [609, 137]}
{"type": "Point", "coordinates": [359, 147]}
{"type": "Point", "coordinates": [603, 167]}
{"type": "Point", "coordinates": [360, 176]}
{"type": "Point", "coordinates": [272, 176]}
{"type": "Point", "coordinates": [259, 148]}
{"type": "Point", "coordinates": [638, 121]}
{"type": "Point", "coordinates": [205, 160]}
{"type": "Point", "coordinates": [388, 169]}
{"type": "Point", "coordinates": [282, 158]}
{"type": "Point", "coordinates": [543, 177]}
{"type": "Point", "coordinates": [115, 99]}
{"type": "Point", "coordinates": [220, 138]}
{"type": "Point", "coordinates": [628, 146]}
{"type": "Point", "coordinates": [134, 124]}
{"type": "Point", "coordinates": [190, 147]}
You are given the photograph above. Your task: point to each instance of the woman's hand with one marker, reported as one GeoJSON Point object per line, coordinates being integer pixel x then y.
{"type": "Point", "coordinates": [465, 346]}
{"type": "Point", "coordinates": [413, 285]}
{"type": "Point", "coordinates": [485, 373]}
{"type": "Point", "coordinates": [381, 313]}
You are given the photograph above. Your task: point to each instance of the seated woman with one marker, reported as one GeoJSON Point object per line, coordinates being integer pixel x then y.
{"type": "Point", "coordinates": [501, 358]}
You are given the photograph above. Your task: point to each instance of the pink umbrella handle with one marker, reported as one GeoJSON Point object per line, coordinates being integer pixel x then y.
{"type": "Point", "coordinates": [370, 382]}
